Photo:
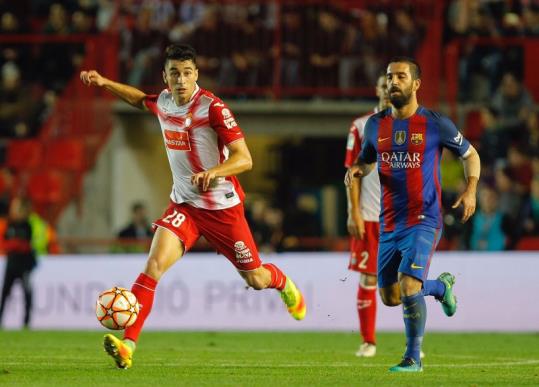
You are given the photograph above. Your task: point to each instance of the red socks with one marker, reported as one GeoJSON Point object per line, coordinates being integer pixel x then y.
{"type": "Point", "coordinates": [278, 279]}
{"type": "Point", "coordinates": [144, 290]}
{"type": "Point", "coordinates": [366, 310]}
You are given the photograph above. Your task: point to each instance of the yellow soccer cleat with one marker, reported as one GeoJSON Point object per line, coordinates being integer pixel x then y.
{"type": "Point", "coordinates": [294, 300]}
{"type": "Point", "coordinates": [119, 351]}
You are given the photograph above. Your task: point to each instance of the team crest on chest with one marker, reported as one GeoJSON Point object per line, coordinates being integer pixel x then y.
{"type": "Point", "coordinates": [400, 137]}
{"type": "Point", "coordinates": [188, 120]}
{"type": "Point", "coordinates": [417, 138]}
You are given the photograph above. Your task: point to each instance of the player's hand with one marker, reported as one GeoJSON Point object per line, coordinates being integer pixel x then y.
{"type": "Point", "coordinates": [356, 224]}
{"type": "Point", "coordinates": [352, 173]}
{"type": "Point", "coordinates": [203, 179]}
{"type": "Point", "coordinates": [467, 199]}
{"type": "Point", "coordinates": [92, 78]}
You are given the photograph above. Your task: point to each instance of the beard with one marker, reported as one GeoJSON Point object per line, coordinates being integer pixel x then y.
{"type": "Point", "coordinates": [401, 99]}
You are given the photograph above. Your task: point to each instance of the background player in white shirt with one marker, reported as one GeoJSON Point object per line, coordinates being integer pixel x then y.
{"type": "Point", "coordinates": [363, 226]}
{"type": "Point", "coordinates": [206, 149]}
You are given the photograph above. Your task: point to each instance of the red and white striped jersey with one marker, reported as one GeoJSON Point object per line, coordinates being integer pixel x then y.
{"type": "Point", "coordinates": [370, 184]}
{"type": "Point", "coordinates": [195, 136]}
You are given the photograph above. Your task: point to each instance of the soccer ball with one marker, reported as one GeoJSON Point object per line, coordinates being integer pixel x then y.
{"type": "Point", "coordinates": [117, 308]}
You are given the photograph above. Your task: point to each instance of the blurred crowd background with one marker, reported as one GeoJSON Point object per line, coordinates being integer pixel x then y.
{"type": "Point", "coordinates": [479, 59]}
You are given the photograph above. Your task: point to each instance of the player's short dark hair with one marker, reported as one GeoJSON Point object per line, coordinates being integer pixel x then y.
{"type": "Point", "coordinates": [415, 69]}
{"type": "Point", "coordinates": [180, 52]}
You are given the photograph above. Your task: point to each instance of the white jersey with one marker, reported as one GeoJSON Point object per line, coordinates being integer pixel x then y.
{"type": "Point", "coordinates": [195, 136]}
{"type": "Point", "coordinates": [370, 184]}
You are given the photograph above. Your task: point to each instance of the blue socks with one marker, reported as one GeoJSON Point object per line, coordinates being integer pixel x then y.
{"type": "Point", "coordinates": [434, 288]}
{"type": "Point", "coordinates": [415, 317]}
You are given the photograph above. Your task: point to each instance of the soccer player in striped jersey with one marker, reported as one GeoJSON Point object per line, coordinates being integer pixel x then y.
{"type": "Point", "coordinates": [363, 226]}
{"type": "Point", "coordinates": [206, 150]}
{"type": "Point", "coordinates": [406, 142]}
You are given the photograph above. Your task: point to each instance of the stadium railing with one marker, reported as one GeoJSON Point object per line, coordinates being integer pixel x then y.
{"type": "Point", "coordinates": [84, 245]}
{"type": "Point", "coordinates": [75, 245]}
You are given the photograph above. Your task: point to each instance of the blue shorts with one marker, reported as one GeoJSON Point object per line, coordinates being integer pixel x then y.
{"type": "Point", "coordinates": [408, 251]}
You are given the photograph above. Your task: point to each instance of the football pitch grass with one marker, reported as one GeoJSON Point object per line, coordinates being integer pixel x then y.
{"type": "Point", "coordinates": [72, 358]}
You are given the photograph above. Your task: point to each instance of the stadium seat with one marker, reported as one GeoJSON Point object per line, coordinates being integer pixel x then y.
{"type": "Point", "coordinates": [530, 243]}
{"type": "Point", "coordinates": [47, 187]}
{"type": "Point", "coordinates": [24, 154]}
{"type": "Point", "coordinates": [66, 154]}
{"type": "Point", "coordinates": [473, 127]}
{"type": "Point", "coordinates": [48, 190]}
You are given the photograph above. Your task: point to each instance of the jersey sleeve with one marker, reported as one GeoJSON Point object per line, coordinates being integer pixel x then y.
{"type": "Point", "coordinates": [353, 146]}
{"type": "Point", "coordinates": [151, 103]}
{"type": "Point", "coordinates": [451, 138]}
{"type": "Point", "coordinates": [223, 122]}
{"type": "Point", "coordinates": [368, 154]}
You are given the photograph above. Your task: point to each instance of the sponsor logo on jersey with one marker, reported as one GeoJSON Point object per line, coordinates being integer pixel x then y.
{"type": "Point", "coordinates": [458, 139]}
{"type": "Point", "coordinates": [417, 138]}
{"type": "Point", "coordinates": [177, 140]}
{"type": "Point", "coordinates": [402, 160]}
{"type": "Point", "coordinates": [400, 137]}
{"type": "Point", "coordinates": [243, 253]}
{"type": "Point", "coordinates": [230, 123]}
{"type": "Point", "coordinates": [226, 113]}
{"type": "Point", "coordinates": [219, 104]}
{"type": "Point", "coordinates": [351, 141]}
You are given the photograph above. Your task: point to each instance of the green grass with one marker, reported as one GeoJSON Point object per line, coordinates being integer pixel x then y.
{"type": "Point", "coordinates": [265, 359]}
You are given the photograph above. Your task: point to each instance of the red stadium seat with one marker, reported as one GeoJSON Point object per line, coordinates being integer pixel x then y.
{"type": "Point", "coordinates": [48, 190]}
{"type": "Point", "coordinates": [528, 243]}
{"type": "Point", "coordinates": [47, 187]}
{"type": "Point", "coordinates": [67, 154]}
{"type": "Point", "coordinates": [473, 127]}
{"type": "Point", "coordinates": [24, 154]}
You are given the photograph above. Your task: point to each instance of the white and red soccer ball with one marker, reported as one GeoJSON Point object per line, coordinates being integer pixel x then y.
{"type": "Point", "coordinates": [117, 308]}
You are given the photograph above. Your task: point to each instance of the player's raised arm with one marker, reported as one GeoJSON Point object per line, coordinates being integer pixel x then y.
{"type": "Point", "coordinates": [129, 94]}
{"type": "Point", "coordinates": [239, 160]}
{"type": "Point", "coordinates": [472, 170]}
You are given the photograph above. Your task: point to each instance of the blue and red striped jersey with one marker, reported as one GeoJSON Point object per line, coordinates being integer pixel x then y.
{"type": "Point", "coordinates": [408, 153]}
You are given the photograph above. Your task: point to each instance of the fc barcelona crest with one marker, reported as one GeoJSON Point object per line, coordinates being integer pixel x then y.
{"type": "Point", "coordinates": [417, 138]}
{"type": "Point", "coordinates": [400, 137]}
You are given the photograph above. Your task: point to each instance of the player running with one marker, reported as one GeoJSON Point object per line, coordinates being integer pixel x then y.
{"type": "Point", "coordinates": [363, 225]}
{"type": "Point", "coordinates": [206, 149]}
{"type": "Point", "coordinates": [407, 142]}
